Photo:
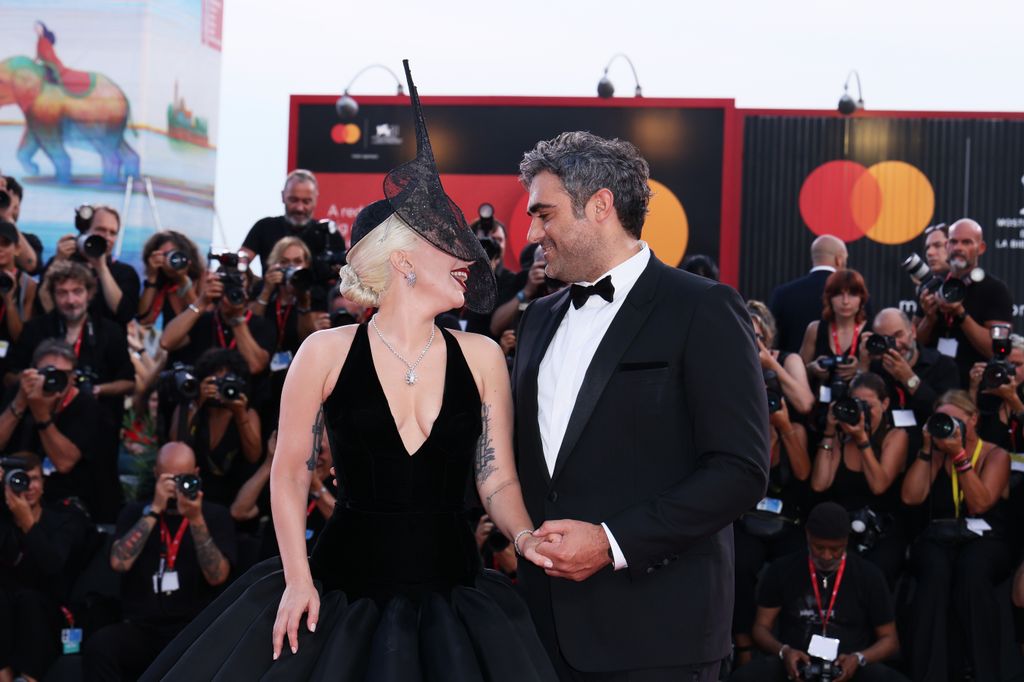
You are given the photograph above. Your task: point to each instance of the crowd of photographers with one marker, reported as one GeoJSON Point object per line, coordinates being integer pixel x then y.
{"type": "Point", "coordinates": [138, 429]}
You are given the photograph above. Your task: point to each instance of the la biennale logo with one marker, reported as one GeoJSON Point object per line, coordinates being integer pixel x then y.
{"type": "Point", "coordinates": [890, 202]}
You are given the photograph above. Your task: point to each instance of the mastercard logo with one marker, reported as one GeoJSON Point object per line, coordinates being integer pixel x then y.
{"type": "Point", "coordinates": [346, 133]}
{"type": "Point", "coordinates": [890, 202]}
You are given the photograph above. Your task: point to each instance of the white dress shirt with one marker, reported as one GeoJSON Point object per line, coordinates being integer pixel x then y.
{"type": "Point", "coordinates": [568, 357]}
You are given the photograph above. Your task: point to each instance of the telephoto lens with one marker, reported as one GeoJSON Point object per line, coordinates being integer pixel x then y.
{"type": "Point", "coordinates": [92, 245]}
{"type": "Point", "coordinates": [953, 290]}
{"type": "Point", "coordinates": [188, 485]}
{"type": "Point", "coordinates": [178, 260]}
{"type": "Point", "coordinates": [300, 279]}
{"type": "Point", "coordinates": [941, 425]}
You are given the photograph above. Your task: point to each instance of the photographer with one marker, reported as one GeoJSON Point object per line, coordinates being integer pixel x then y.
{"type": "Point", "coordinates": [831, 344]}
{"type": "Point", "coordinates": [286, 299]}
{"type": "Point", "coordinates": [536, 285]}
{"type": "Point", "coordinates": [825, 591]}
{"type": "Point", "coordinates": [47, 414]}
{"type": "Point", "coordinates": [174, 269]}
{"type": "Point", "coordinates": [29, 246]}
{"type": "Point", "coordinates": [42, 548]}
{"type": "Point", "coordinates": [17, 293]}
{"type": "Point", "coordinates": [172, 554]}
{"type": "Point", "coordinates": [961, 329]}
{"type": "Point", "coordinates": [859, 458]}
{"type": "Point", "coordinates": [788, 367]}
{"type": "Point", "coordinates": [962, 553]}
{"type": "Point", "coordinates": [220, 426]}
{"type": "Point", "coordinates": [914, 374]}
{"type": "Point", "coordinates": [936, 238]}
{"type": "Point", "coordinates": [118, 297]}
{"type": "Point", "coordinates": [998, 391]}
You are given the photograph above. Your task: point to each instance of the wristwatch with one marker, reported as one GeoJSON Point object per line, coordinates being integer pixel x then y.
{"type": "Point", "coordinates": [913, 382]}
{"type": "Point", "coordinates": [148, 511]}
{"type": "Point", "coordinates": [861, 661]}
{"type": "Point", "coordinates": [235, 321]}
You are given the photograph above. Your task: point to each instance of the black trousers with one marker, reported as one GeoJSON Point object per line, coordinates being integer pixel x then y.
{"type": "Point", "coordinates": [771, 669]}
{"type": "Point", "coordinates": [752, 554]}
{"type": "Point", "coordinates": [30, 626]}
{"type": "Point", "coordinates": [955, 608]}
{"type": "Point", "coordinates": [123, 651]}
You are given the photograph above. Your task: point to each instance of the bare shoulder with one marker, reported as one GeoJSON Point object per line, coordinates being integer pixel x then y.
{"type": "Point", "coordinates": [322, 355]}
{"type": "Point", "coordinates": [480, 351]}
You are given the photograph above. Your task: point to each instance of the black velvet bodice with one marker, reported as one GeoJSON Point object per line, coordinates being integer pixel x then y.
{"type": "Point", "coordinates": [399, 525]}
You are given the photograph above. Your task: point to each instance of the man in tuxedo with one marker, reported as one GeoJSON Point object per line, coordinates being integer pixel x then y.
{"type": "Point", "coordinates": [641, 429]}
{"type": "Point", "coordinates": [798, 303]}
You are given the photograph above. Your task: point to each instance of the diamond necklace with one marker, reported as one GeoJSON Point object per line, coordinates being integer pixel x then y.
{"type": "Point", "coordinates": [410, 375]}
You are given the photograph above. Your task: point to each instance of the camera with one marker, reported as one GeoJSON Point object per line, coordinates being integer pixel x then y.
{"type": "Point", "coordinates": [188, 485]}
{"type": "Point", "coordinates": [342, 317]}
{"type": "Point", "coordinates": [180, 381]}
{"type": "Point", "coordinates": [230, 274]}
{"type": "Point", "coordinates": [54, 380]}
{"type": "Point", "coordinates": [818, 670]}
{"type": "Point", "coordinates": [491, 248]}
{"type": "Point", "coordinates": [91, 245]}
{"type": "Point", "coordinates": [485, 221]}
{"type": "Point", "coordinates": [230, 387]}
{"type": "Point", "coordinates": [950, 290]}
{"type": "Point", "coordinates": [774, 390]}
{"type": "Point", "coordinates": [86, 378]}
{"type": "Point", "coordinates": [999, 371]}
{"type": "Point", "coordinates": [866, 528]}
{"type": "Point", "coordinates": [830, 363]}
{"type": "Point", "coordinates": [6, 283]}
{"type": "Point", "coordinates": [15, 476]}
{"type": "Point", "coordinates": [178, 260]}
{"type": "Point", "coordinates": [848, 410]}
{"type": "Point", "coordinates": [328, 247]}
{"type": "Point", "coordinates": [83, 217]}
{"type": "Point", "coordinates": [879, 344]}
{"type": "Point", "coordinates": [941, 425]}
{"type": "Point", "coordinates": [300, 279]}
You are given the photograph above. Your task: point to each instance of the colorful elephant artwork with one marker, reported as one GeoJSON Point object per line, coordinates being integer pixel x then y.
{"type": "Point", "coordinates": [91, 112]}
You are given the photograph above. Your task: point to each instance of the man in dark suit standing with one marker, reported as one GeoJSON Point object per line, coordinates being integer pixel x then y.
{"type": "Point", "coordinates": [797, 303]}
{"type": "Point", "coordinates": [641, 428]}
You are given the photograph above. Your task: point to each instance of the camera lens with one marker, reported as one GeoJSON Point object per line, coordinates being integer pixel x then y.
{"type": "Point", "coordinates": [189, 485]}
{"type": "Point", "coordinates": [953, 290]}
{"type": "Point", "coordinates": [54, 380]}
{"type": "Point", "coordinates": [16, 480]}
{"type": "Point", "coordinates": [92, 245]}
{"type": "Point", "coordinates": [177, 260]}
{"type": "Point", "coordinates": [301, 279]}
{"type": "Point", "coordinates": [941, 425]}
{"type": "Point", "coordinates": [995, 375]}
{"type": "Point", "coordinates": [916, 267]}
{"type": "Point", "coordinates": [877, 344]}
{"type": "Point", "coordinates": [6, 283]}
{"type": "Point", "coordinates": [847, 410]}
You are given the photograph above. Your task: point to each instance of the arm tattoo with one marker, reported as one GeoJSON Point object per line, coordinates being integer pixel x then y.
{"type": "Point", "coordinates": [318, 433]}
{"type": "Point", "coordinates": [211, 561]}
{"type": "Point", "coordinates": [127, 549]}
{"type": "Point", "coordinates": [483, 465]}
{"type": "Point", "coordinates": [490, 498]}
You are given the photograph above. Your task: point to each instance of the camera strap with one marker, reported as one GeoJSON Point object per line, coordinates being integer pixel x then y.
{"type": "Point", "coordinates": [158, 302]}
{"type": "Point", "coordinates": [826, 615]}
{"type": "Point", "coordinates": [220, 330]}
{"type": "Point", "coordinates": [958, 495]}
{"type": "Point", "coordinates": [169, 547]}
{"type": "Point", "coordinates": [281, 319]}
{"type": "Point", "coordinates": [853, 345]}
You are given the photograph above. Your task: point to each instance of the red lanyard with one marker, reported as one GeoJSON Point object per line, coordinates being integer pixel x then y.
{"type": "Point", "coordinates": [310, 508]}
{"type": "Point", "coordinates": [171, 547]}
{"type": "Point", "coordinates": [902, 396]}
{"type": "Point", "coordinates": [826, 615]}
{"type": "Point", "coordinates": [853, 346]}
{"type": "Point", "coordinates": [281, 319]}
{"type": "Point", "coordinates": [220, 330]}
{"type": "Point", "coordinates": [78, 342]}
{"type": "Point", "coordinates": [67, 400]}
{"type": "Point", "coordinates": [158, 302]}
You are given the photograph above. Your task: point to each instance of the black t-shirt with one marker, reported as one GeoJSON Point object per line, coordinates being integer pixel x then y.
{"type": "Point", "coordinates": [176, 609]}
{"type": "Point", "coordinates": [104, 347]}
{"type": "Point", "coordinates": [94, 476]}
{"type": "Point", "coordinates": [47, 558]}
{"type": "Point", "coordinates": [937, 373]}
{"type": "Point", "coordinates": [986, 301]}
{"type": "Point", "coordinates": [127, 281]}
{"type": "Point", "coordinates": [862, 604]}
{"type": "Point", "coordinates": [267, 232]}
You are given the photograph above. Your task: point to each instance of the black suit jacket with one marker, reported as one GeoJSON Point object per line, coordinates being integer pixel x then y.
{"type": "Point", "coordinates": [795, 305]}
{"type": "Point", "coordinates": [667, 444]}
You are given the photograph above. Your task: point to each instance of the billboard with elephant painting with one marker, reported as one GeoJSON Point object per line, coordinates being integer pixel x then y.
{"type": "Point", "coordinates": [100, 95]}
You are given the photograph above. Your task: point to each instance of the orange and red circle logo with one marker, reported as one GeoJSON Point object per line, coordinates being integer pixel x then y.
{"type": "Point", "coordinates": [890, 203]}
{"type": "Point", "coordinates": [345, 133]}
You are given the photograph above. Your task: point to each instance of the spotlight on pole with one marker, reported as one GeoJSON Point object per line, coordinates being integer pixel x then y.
{"type": "Point", "coordinates": [847, 105]}
{"type": "Point", "coordinates": [347, 107]}
{"type": "Point", "coordinates": [605, 88]}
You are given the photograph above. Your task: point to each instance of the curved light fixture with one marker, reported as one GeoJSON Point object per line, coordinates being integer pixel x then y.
{"type": "Point", "coordinates": [605, 89]}
{"type": "Point", "coordinates": [346, 106]}
{"type": "Point", "coordinates": [846, 104]}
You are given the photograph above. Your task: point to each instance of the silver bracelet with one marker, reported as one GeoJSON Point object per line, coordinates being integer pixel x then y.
{"type": "Point", "coordinates": [515, 542]}
{"type": "Point", "coordinates": [194, 308]}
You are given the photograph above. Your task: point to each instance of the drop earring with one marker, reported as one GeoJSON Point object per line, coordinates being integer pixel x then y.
{"type": "Point", "coordinates": [410, 279]}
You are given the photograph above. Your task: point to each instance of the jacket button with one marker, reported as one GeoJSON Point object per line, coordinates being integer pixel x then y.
{"type": "Point", "coordinates": [553, 496]}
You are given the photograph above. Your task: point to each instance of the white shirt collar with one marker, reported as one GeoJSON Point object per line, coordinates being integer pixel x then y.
{"type": "Point", "coordinates": [825, 268]}
{"type": "Point", "coordinates": [625, 274]}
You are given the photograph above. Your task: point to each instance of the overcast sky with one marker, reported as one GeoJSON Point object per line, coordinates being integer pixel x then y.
{"type": "Point", "coordinates": [939, 55]}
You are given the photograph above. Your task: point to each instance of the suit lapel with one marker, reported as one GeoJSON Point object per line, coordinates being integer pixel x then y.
{"type": "Point", "coordinates": [545, 333]}
{"type": "Point", "coordinates": [616, 341]}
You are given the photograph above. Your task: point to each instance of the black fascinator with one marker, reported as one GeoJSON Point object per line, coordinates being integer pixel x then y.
{"type": "Point", "coordinates": [413, 191]}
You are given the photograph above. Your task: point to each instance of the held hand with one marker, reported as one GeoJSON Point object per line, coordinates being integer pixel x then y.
{"type": "Point", "coordinates": [767, 358]}
{"type": "Point", "coordinates": [153, 265]}
{"type": "Point", "coordinates": [817, 370]}
{"type": "Point", "coordinates": [535, 280]}
{"type": "Point", "coordinates": [297, 599]}
{"type": "Point", "coordinates": [321, 321]}
{"type": "Point", "coordinates": [508, 341]}
{"type": "Point", "coordinates": [66, 247]}
{"type": "Point", "coordinates": [848, 664]}
{"type": "Point", "coordinates": [191, 509]}
{"type": "Point", "coordinates": [897, 366]}
{"type": "Point", "coordinates": [857, 432]}
{"type": "Point", "coordinates": [164, 490]}
{"type": "Point", "coordinates": [953, 309]}
{"type": "Point", "coordinates": [207, 390]}
{"type": "Point", "coordinates": [483, 531]}
{"type": "Point", "coordinates": [212, 289]}
{"type": "Point", "coordinates": [847, 369]}
{"type": "Point", "coordinates": [780, 418]}
{"type": "Point", "coordinates": [792, 658]}
{"type": "Point", "coordinates": [582, 551]}
{"type": "Point", "coordinates": [977, 371]}
{"type": "Point", "coordinates": [16, 503]}
{"type": "Point", "coordinates": [240, 407]}
{"type": "Point", "coordinates": [926, 441]}
{"type": "Point", "coordinates": [929, 305]}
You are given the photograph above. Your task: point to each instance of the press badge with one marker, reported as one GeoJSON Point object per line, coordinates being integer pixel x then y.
{"type": "Point", "coordinates": [770, 504]}
{"type": "Point", "coordinates": [825, 648]}
{"type": "Point", "coordinates": [948, 346]}
{"type": "Point", "coordinates": [280, 361]}
{"type": "Point", "coordinates": [903, 419]}
{"type": "Point", "coordinates": [825, 394]}
{"type": "Point", "coordinates": [4, 347]}
{"type": "Point", "coordinates": [978, 526]}
{"type": "Point", "coordinates": [48, 467]}
{"type": "Point", "coordinates": [71, 640]}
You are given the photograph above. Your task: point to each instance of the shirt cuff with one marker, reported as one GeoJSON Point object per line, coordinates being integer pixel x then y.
{"type": "Point", "coordinates": [618, 558]}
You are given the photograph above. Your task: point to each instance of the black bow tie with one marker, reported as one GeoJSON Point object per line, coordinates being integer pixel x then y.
{"type": "Point", "coordinates": [581, 293]}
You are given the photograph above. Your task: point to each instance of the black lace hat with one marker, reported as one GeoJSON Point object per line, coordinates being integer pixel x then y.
{"type": "Point", "coordinates": [413, 191]}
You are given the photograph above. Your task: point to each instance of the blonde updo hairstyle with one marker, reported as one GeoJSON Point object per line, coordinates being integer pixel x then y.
{"type": "Point", "coordinates": [368, 272]}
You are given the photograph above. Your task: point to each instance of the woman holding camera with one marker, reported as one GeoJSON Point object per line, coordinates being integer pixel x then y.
{"type": "Point", "coordinates": [857, 464]}
{"type": "Point", "coordinates": [174, 269]}
{"type": "Point", "coordinates": [285, 299]}
{"type": "Point", "coordinates": [962, 553]}
{"type": "Point", "coordinates": [837, 335]}
{"type": "Point", "coordinates": [772, 529]}
{"type": "Point", "coordinates": [220, 426]}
